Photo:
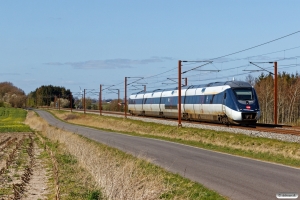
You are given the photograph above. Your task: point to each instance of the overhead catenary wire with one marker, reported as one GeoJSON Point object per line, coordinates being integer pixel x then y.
{"type": "Point", "coordinates": [255, 46]}
{"type": "Point", "coordinates": [253, 56]}
{"type": "Point", "coordinates": [159, 78]}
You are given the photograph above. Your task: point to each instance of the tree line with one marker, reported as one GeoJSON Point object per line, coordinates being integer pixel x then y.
{"type": "Point", "coordinates": [11, 96]}
{"type": "Point", "coordinates": [50, 96]}
{"type": "Point", "coordinates": [288, 101]}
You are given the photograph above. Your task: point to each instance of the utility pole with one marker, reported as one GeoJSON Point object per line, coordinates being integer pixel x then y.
{"type": "Point", "coordinates": [275, 88]}
{"type": "Point", "coordinates": [126, 92]}
{"type": "Point", "coordinates": [100, 100]}
{"type": "Point", "coordinates": [125, 106]}
{"type": "Point", "coordinates": [84, 101]}
{"type": "Point", "coordinates": [71, 105]}
{"type": "Point", "coordinates": [275, 93]}
{"type": "Point", "coordinates": [179, 84]}
{"type": "Point", "coordinates": [118, 100]}
{"type": "Point", "coordinates": [179, 94]}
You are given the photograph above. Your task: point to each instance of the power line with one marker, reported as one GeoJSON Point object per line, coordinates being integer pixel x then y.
{"type": "Point", "coordinates": [159, 74]}
{"type": "Point", "coordinates": [249, 57]}
{"type": "Point", "coordinates": [256, 46]}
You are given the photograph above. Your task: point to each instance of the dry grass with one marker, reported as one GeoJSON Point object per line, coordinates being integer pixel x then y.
{"type": "Point", "coordinates": [119, 176]}
{"type": "Point", "coordinates": [221, 139]}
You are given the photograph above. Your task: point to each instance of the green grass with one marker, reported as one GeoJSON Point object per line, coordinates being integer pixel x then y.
{"type": "Point", "coordinates": [11, 120]}
{"type": "Point", "coordinates": [5, 191]}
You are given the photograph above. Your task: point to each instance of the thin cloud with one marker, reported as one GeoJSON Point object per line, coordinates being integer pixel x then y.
{"type": "Point", "coordinates": [54, 63]}
{"type": "Point", "coordinates": [110, 63]}
{"type": "Point", "coordinates": [9, 74]}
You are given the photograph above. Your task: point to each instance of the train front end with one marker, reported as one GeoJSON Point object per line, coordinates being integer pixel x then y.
{"type": "Point", "coordinates": [248, 111]}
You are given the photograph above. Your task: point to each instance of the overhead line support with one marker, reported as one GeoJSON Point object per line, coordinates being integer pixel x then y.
{"type": "Point", "coordinates": [275, 93]}
{"type": "Point", "coordinates": [275, 88]}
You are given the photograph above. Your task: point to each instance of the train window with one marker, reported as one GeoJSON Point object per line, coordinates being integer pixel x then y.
{"type": "Point", "coordinates": [156, 100]}
{"type": "Point", "coordinates": [212, 99]}
{"type": "Point", "coordinates": [150, 101]}
{"type": "Point", "coordinates": [196, 99]}
{"type": "Point", "coordinates": [187, 100]}
{"type": "Point", "coordinates": [243, 93]}
{"type": "Point", "coordinates": [190, 100]}
{"type": "Point", "coordinates": [201, 99]}
{"type": "Point", "coordinates": [207, 99]}
{"type": "Point", "coordinates": [174, 100]}
{"type": "Point", "coordinates": [218, 98]}
{"type": "Point", "coordinates": [184, 99]}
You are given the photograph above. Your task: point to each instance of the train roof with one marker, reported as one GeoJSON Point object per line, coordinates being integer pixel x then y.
{"type": "Point", "coordinates": [233, 84]}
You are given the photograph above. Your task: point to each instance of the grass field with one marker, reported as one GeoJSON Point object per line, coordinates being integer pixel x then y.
{"type": "Point", "coordinates": [11, 120]}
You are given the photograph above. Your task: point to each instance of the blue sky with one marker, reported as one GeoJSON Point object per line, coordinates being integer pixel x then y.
{"type": "Point", "coordinates": [82, 44]}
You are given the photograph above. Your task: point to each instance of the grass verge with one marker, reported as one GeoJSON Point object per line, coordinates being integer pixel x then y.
{"type": "Point", "coordinates": [74, 181]}
{"type": "Point", "coordinates": [266, 149]}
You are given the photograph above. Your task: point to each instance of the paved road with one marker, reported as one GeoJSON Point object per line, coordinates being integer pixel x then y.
{"type": "Point", "coordinates": [231, 176]}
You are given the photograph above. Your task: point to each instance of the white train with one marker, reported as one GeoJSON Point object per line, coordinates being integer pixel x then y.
{"type": "Point", "coordinates": [228, 102]}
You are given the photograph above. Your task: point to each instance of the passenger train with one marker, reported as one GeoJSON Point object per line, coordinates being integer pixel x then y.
{"type": "Point", "coordinates": [231, 102]}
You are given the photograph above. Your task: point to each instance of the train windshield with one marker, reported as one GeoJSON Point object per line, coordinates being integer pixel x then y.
{"type": "Point", "coordinates": [243, 94]}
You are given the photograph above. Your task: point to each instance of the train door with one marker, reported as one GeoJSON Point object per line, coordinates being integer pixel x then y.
{"type": "Point", "coordinates": [224, 102]}
{"type": "Point", "coordinates": [198, 105]}
{"type": "Point", "coordinates": [227, 106]}
{"type": "Point", "coordinates": [188, 102]}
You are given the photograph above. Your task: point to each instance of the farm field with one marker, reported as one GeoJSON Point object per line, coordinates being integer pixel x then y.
{"type": "Point", "coordinates": [32, 167]}
{"type": "Point", "coordinates": [11, 120]}
{"type": "Point", "coordinates": [19, 165]}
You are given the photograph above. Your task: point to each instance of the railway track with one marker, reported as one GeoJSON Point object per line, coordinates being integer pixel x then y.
{"type": "Point", "coordinates": [280, 129]}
